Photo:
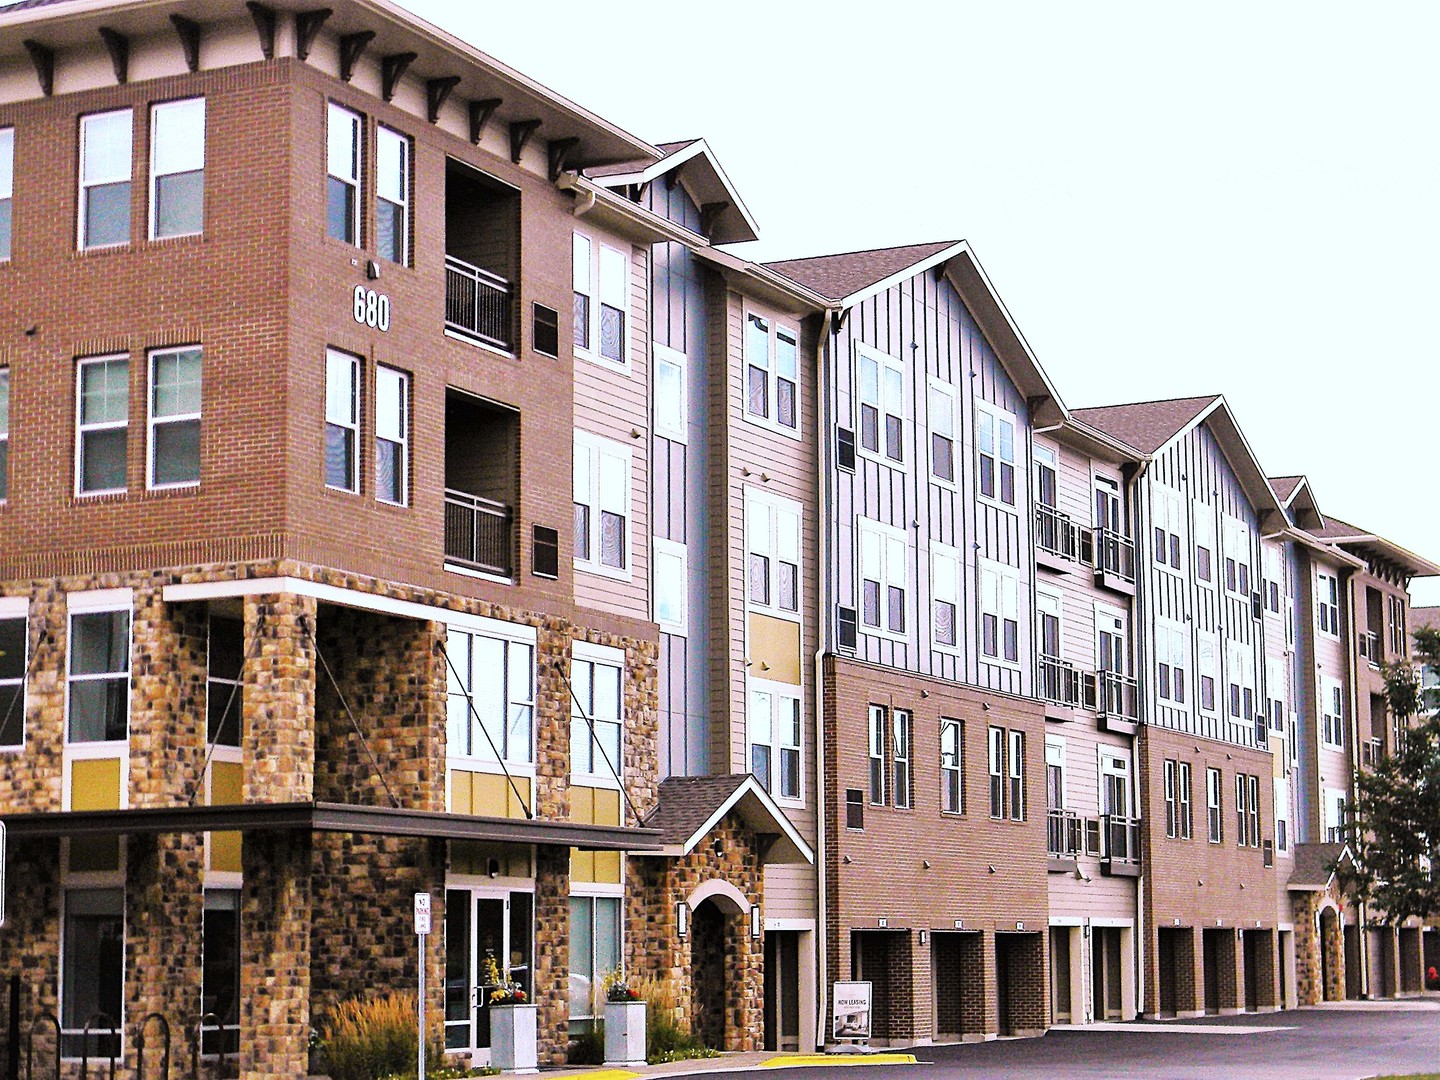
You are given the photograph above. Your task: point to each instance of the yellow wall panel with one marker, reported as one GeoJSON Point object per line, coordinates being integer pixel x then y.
{"type": "Point", "coordinates": [226, 783]}
{"type": "Point", "coordinates": [774, 649]}
{"type": "Point", "coordinates": [95, 784]}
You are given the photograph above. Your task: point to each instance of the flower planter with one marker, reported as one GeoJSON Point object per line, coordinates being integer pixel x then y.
{"type": "Point", "coordinates": [625, 1033]}
{"type": "Point", "coordinates": [512, 1038]}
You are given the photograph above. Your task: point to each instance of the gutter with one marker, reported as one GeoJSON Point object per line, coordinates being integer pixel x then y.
{"type": "Point", "coordinates": [1354, 725]}
{"type": "Point", "coordinates": [822, 629]}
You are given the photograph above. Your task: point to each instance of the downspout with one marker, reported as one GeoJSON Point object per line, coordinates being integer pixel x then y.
{"type": "Point", "coordinates": [822, 628]}
{"type": "Point", "coordinates": [1141, 937]}
{"type": "Point", "coordinates": [1351, 640]}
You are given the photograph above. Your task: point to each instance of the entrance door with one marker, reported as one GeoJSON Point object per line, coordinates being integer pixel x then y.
{"type": "Point", "coordinates": [483, 924]}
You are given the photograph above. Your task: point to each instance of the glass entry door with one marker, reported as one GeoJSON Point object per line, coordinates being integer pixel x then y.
{"type": "Point", "coordinates": [482, 922]}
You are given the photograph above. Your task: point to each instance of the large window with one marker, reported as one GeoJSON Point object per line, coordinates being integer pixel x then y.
{"type": "Point", "coordinates": [952, 766]}
{"type": "Point", "coordinates": [942, 431]}
{"type": "Point", "coordinates": [1247, 810]}
{"type": "Point", "coordinates": [944, 595]}
{"type": "Point", "coordinates": [900, 785]}
{"type": "Point", "coordinates": [1182, 785]}
{"type": "Point", "coordinates": [12, 682]}
{"type": "Point", "coordinates": [106, 145]}
{"type": "Point", "coordinates": [7, 189]}
{"type": "Point", "coordinates": [772, 543]}
{"type": "Point", "coordinates": [1213, 808]}
{"type": "Point", "coordinates": [175, 418]}
{"type": "Point", "coordinates": [1241, 674]}
{"type": "Point", "coordinates": [995, 763]}
{"type": "Point", "coordinates": [99, 678]}
{"type": "Point", "coordinates": [671, 406]}
{"type": "Point", "coordinates": [1237, 557]}
{"type": "Point", "coordinates": [1332, 713]}
{"type": "Point", "coordinates": [92, 968]}
{"type": "Point", "coordinates": [1172, 800]}
{"type": "Point", "coordinates": [392, 195]}
{"type": "Point", "coordinates": [490, 697]}
{"type": "Point", "coordinates": [999, 612]}
{"type": "Point", "coordinates": [883, 577]}
{"type": "Point", "coordinates": [102, 422]}
{"type": "Point", "coordinates": [995, 443]}
{"type": "Point", "coordinates": [595, 747]}
{"type": "Point", "coordinates": [877, 755]}
{"type": "Point", "coordinates": [668, 565]}
{"type": "Point", "coordinates": [775, 740]}
{"type": "Point", "coordinates": [594, 951]}
{"type": "Point", "coordinates": [880, 388]}
{"type": "Point", "coordinates": [1169, 514]}
{"type": "Point", "coordinates": [1327, 603]}
{"type": "Point", "coordinates": [1015, 764]}
{"type": "Point", "coordinates": [342, 184]}
{"type": "Point", "coordinates": [1170, 662]}
{"type": "Point", "coordinates": [342, 420]}
{"type": "Point", "coordinates": [771, 372]}
{"type": "Point", "coordinates": [600, 320]}
{"type": "Point", "coordinates": [602, 504]}
{"type": "Point", "coordinates": [4, 433]}
{"type": "Point", "coordinates": [177, 168]}
{"type": "Point", "coordinates": [392, 435]}
{"type": "Point", "coordinates": [1394, 609]}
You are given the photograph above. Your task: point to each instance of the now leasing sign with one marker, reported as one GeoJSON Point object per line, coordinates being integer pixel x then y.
{"type": "Point", "coordinates": [852, 1011]}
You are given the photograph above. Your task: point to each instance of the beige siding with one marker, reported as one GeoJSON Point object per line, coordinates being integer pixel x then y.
{"type": "Point", "coordinates": [1101, 896]}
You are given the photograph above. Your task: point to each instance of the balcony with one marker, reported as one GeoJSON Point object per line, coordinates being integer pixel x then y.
{"type": "Point", "coordinates": [1056, 539]}
{"type": "Point", "coordinates": [1114, 562]}
{"type": "Point", "coordinates": [1063, 840]}
{"type": "Point", "coordinates": [478, 303]}
{"type": "Point", "coordinates": [1059, 687]}
{"type": "Point", "coordinates": [478, 533]}
{"type": "Point", "coordinates": [1120, 853]}
{"type": "Point", "coordinates": [482, 257]}
{"type": "Point", "coordinates": [1117, 702]}
{"type": "Point", "coordinates": [482, 444]}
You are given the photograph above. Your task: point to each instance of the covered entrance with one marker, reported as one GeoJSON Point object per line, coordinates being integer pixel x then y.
{"type": "Point", "coordinates": [488, 931]}
{"type": "Point", "coordinates": [957, 959]}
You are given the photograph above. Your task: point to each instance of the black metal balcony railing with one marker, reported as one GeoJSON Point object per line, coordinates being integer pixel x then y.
{"type": "Point", "coordinates": [1059, 681]}
{"type": "Point", "coordinates": [1114, 554]}
{"type": "Point", "coordinates": [1370, 646]}
{"type": "Point", "coordinates": [1122, 838]}
{"type": "Point", "coordinates": [1055, 532]}
{"type": "Point", "coordinates": [477, 302]}
{"type": "Point", "coordinates": [478, 533]}
{"type": "Point", "coordinates": [1063, 834]}
{"type": "Point", "coordinates": [1119, 696]}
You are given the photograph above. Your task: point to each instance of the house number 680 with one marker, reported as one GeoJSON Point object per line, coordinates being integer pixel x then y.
{"type": "Point", "coordinates": [372, 308]}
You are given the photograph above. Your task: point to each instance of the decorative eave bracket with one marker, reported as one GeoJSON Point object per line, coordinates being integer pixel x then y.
{"type": "Point", "coordinates": [520, 133]}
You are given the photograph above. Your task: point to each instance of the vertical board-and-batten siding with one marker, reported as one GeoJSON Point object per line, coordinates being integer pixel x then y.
{"type": "Point", "coordinates": [951, 347]}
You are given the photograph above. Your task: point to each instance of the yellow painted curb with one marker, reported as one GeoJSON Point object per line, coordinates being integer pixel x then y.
{"type": "Point", "coordinates": [610, 1074]}
{"type": "Point", "coordinates": [832, 1060]}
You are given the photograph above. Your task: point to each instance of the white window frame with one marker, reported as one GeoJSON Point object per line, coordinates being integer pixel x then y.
{"type": "Point", "coordinates": [394, 429]}
{"type": "Point", "coordinates": [780, 742]}
{"type": "Point", "coordinates": [598, 773]}
{"type": "Point", "coordinates": [387, 140]}
{"type": "Point", "coordinates": [17, 609]}
{"type": "Point", "coordinates": [998, 597]}
{"type": "Point", "coordinates": [902, 764]}
{"type": "Point", "coordinates": [1015, 776]}
{"type": "Point", "coordinates": [508, 634]}
{"type": "Point", "coordinates": [1274, 573]}
{"type": "Point", "coordinates": [7, 191]}
{"type": "Point", "coordinates": [90, 884]}
{"type": "Point", "coordinates": [1167, 517]}
{"type": "Point", "coordinates": [945, 564]}
{"type": "Point", "coordinates": [593, 891]}
{"type": "Point", "coordinates": [1214, 805]}
{"type": "Point", "coordinates": [878, 728]}
{"type": "Point", "coordinates": [99, 602]}
{"type": "Point", "coordinates": [1240, 673]}
{"type": "Point", "coordinates": [1282, 813]}
{"type": "Point", "coordinates": [1049, 602]}
{"type": "Point", "coordinates": [153, 422]}
{"type": "Point", "coordinates": [1327, 604]}
{"type": "Point", "coordinates": [82, 428]}
{"type": "Point", "coordinates": [1335, 807]}
{"type": "Point", "coordinates": [675, 428]}
{"type": "Point", "coordinates": [1055, 759]}
{"type": "Point", "coordinates": [1203, 516]}
{"type": "Point", "coordinates": [773, 330]}
{"type": "Point", "coordinates": [1208, 645]}
{"type": "Point", "coordinates": [891, 541]}
{"type": "Point", "coordinates": [1276, 697]}
{"type": "Point", "coordinates": [768, 536]}
{"type": "Point", "coordinates": [952, 775]}
{"type": "Point", "coordinates": [337, 115]}
{"type": "Point", "coordinates": [4, 433]}
{"type": "Point", "coordinates": [886, 365]}
{"type": "Point", "coordinates": [86, 183]}
{"type": "Point", "coordinates": [1332, 713]}
{"type": "Point", "coordinates": [995, 765]}
{"type": "Point", "coordinates": [187, 161]}
{"type": "Point", "coordinates": [1172, 799]}
{"type": "Point", "coordinates": [1111, 762]}
{"type": "Point", "coordinates": [943, 409]}
{"type": "Point", "coordinates": [1184, 798]}
{"type": "Point", "coordinates": [349, 423]}
{"type": "Point", "coordinates": [1238, 551]}
{"type": "Point", "coordinates": [665, 591]}
{"type": "Point", "coordinates": [601, 256]}
{"type": "Point", "coordinates": [1019, 474]}
{"type": "Point", "coordinates": [599, 447]}
{"type": "Point", "coordinates": [1172, 664]}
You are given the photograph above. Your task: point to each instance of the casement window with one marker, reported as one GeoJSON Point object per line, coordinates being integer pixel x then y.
{"type": "Point", "coordinates": [995, 447]}
{"type": "Point", "coordinates": [342, 420]}
{"type": "Point", "coordinates": [668, 566]}
{"type": "Point", "coordinates": [1182, 791]}
{"type": "Point", "coordinates": [1274, 574]}
{"type": "Point", "coordinates": [881, 393]}
{"type": "Point", "coordinates": [1247, 810]}
{"type": "Point", "coordinates": [392, 435]}
{"type": "Point", "coordinates": [671, 407]}
{"type": "Point", "coordinates": [774, 720]}
{"type": "Point", "coordinates": [1213, 807]}
{"type": "Point", "coordinates": [1237, 557]}
{"type": "Point", "coordinates": [772, 542]}
{"type": "Point", "coordinates": [175, 396]}
{"type": "Point", "coordinates": [177, 168]}
{"type": "Point", "coordinates": [1168, 516]}
{"type": "Point", "coordinates": [4, 433]}
{"type": "Point", "coordinates": [602, 505]}
{"type": "Point", "coordinates": [490, 702]}
{"type": "Point", "coordinates": [1332, 713]}
{"type": "Point", "coordinates": [883, 577]}
{"type": "Point", "coordinates": [900, 786]}
{"type": "Point", "coordinates": [600, 278]}
{"type": "Point", "coordinates": [772, 361]}
{"type": "Point", "coordinates": [1204, 518]}
{"type": "Point", "coordinates": [995, 747]}
{"type": "Point", "coordinates": [1394, 614]}
{"type": "Point", "coordinates": [392, 195]}
{"type": "Point", "coordinates": [98, 699]}
{"type": "Point", "coordinates": [7, 190]}
{"type": "Point", "coordinates": [224, 674]}
{"type": "Point", "coordinates": [1327, 603]}
{"type": "Point", "coordinates": [92, 969]}
{"type": "Point", "coordinates": [1054, 773]}
{"type": "Point", "coordinates": [1208, 670]}
{"type": "Point", "coordinates": [1171, 662]}
{"type": "Point", "coordinates": [1282, 813]}
{"type": "Point", "coordinates": [1334, 816]}
{"type": "Point", "coordinates": [1016, 772]}
{"type": "Point", "coordinates": [106, 164]}
{"type": "Point", "coordinates": [13, 661]}
{"type": "Point", "coordinates": [944, 595]}
{"type": "Point", "coordinates": [877, 755]}
{"type": "Point", "coordinates": [952, 764]}
{"type": "Point", "coordinates": [1172, 800]}
{"type": "Point", "coordinates": [595, 951]}
{"type": "Point", "coordinates": [942, 431]}
{"type": "Point", "coordinates": [342, 184]}
{"type": "Point", "coordinates": [596, 679]}
{"type": "Point", "coordinates": [102, 424]}
{"type": "Point", "coordinates": [999, 612]}
{"type": "Point", "coordinates": [1241, 675]}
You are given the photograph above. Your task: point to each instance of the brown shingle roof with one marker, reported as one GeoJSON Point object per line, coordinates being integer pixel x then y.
{"type": "Point", "coordinates": [687, 802]}
{"type": "Point", "coordinates": [622, 167]}
{"type": "Point", "coordinates": [1335, 529]}
{"type": "Point", "coordinates": [1146, 425]}
{"type": "Point", "coordinates": [1285, 485]}
{"type": "Point", "coordinates": [838, 276]}
{"type": "Point", "coordinates": [1427, 618]}
{"type": "Point", "coordinates": [1313, 865]}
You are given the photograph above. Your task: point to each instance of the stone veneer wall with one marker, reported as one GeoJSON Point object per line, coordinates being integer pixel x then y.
{"type": "Point", "coordinates": [30, 939]}
{"type": "Point", "coordinates": [1310, 939]}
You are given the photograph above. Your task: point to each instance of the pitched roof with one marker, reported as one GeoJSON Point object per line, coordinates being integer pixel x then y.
{"type": "Point", "coordinates": [1427, 618]}
{"type": "Point", "coordinates": [1285, 486]}
{"type": "Point", "coordinates": [1314, 865]}
{"type": "Point", "coordinates": [621, 167]}
{"type": "Point", "coordinates": [687, 802]}
{"type": "Point", "coordinates": [838, 276]}
{"type": "Point", "coordinates": [1146, 425]}
{"type": "Point", "coordinates": [688, 807]}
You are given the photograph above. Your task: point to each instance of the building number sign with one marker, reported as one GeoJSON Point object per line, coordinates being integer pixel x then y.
{"type": "Point", "coordinates": [372, 309]}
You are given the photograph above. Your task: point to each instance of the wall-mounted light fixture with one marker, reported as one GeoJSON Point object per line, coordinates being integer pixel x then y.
{"type": "Point", "coordinates": [682, 918]}
{"type": "Point", "coordinates": [924, 937]}
{"type": "Point", "coordinates": [757, 921]}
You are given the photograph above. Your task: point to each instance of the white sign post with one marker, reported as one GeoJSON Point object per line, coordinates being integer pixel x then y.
{"type": "Point", "coordinates": [851, 1019]}
{"type": "Point", "coordinates": [422, 930]}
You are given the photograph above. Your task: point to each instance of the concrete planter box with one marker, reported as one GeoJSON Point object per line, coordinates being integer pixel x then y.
{"type": "Point", "coordinates": [512, 1038]}
{"type": "Point", "coordinates": [625, 1033]}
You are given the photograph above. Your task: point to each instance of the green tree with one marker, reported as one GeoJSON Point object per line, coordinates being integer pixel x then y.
{"type": "Point", "coordinates": [1394, 831]}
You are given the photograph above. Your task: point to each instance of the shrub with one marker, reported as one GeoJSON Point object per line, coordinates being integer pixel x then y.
{"type": "Point", "coordinates": [587, 1047]}
{"type": "Point", "coordinates": [667, 1036]}
{"type": "Point", "coordinates": [374, 1037]}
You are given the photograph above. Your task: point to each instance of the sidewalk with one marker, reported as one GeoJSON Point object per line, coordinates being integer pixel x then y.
{"type": "Point", "coordinates": [729, 1063]}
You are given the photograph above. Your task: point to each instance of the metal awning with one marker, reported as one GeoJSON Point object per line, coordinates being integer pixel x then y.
{"type": "Point", "coordinates": [332, 818]}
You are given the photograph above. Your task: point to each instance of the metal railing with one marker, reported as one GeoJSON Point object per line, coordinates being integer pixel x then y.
{"type": "Point", "coordinates": [478, 303]}
{"type": "Point", "coordinates": [1059, 681]}
{"type": "Point", "coordinates": [1115, 554]}
{"type": "Point", "coordinates": [1063, 840]}
{"type": "Point", "coordinates": [1055, 532]}
{"type": "Point", "coordinates": [1121, 837]}
{"type": "Point", "coordinates": [1119, 695]}
{"type": "Point", "coordinates": [478, 533]}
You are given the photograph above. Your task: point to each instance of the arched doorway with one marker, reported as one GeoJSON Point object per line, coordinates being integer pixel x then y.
{"type": "Point", "coordinates": [707, 974]}
{"type": "Point", "coordinates": [1330, 983]}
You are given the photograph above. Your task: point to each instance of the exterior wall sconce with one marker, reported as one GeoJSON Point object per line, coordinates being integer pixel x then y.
{"type": "Point", "coordinates": [924, 937]}
{"type": "Point", "coordinates": [682, 918]}
{"type": "Point", "coordinates": [757, 921]}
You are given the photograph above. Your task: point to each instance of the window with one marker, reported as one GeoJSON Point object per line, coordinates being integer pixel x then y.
{"type": "Point", "coordinates": [490, 702]}
{"type": "Point", "coordinates": [1054, 775]}
{"type": "Point", "coordinates": [7, 189]}
{"type": "Point", "coordinates": [1332, 713]}
{"type": "Point", "coordinates": [942, 431]}
{"type": "Point", "coordinates": [668, 564]}
{"type": "Point", "coordinates": [104, 397]}
{"type": "Point", "coordinates": [995, 440]}
{"type": "Point", "coordinates": [944, 595]}
{"type": "Point", "coordinates": [225, 663]}
{"type": "Point", "coordinates": [220, 970]}
{"type": "Point", "coordinates": [1394, 606]}
{"type": "Point", "coordinates": [342, 185]}
{"type": "Point", "coordinates": [1247, 810]}
{"type": "Point", "coordinates": [1204, 541]}
{"type": "Point", "coordinates": [1109, 513]}
{"type": "Point", "coordinates": [1274, 573]}
{"type": "Point", "coordinates": [392, 435]}
{"type": "Point", "coordinates": [392, 195]}
{"type": "Point", "coordinates": [1114, 784]}
{"type": "Point", "coordinates": [600, 321]}
{"type": "Point", "coordinates": [1241, 681]}
{"type": "Point", "coordinates": [1172, 801]}
{"type": "Point", "coordinates": [671, 418]}
{"type": "Point", "coordinates": [775, 741]}
{"type": "Point", "coordinates": [99, 677]}
{"type": "Point", "coordinates": [1182, 788]}
{"type": "Point", "coordinates": [771, 372]}
{"type": "Point", "coordinates": [999, 611]}
{"type": "Point", "coordinates": [1237, 557]}
{"type": "Point", "coordinates": [342, 420]}
{"type": "Point", "coordinates": [995, 743]}
{"type": "Point", "coordinates": [4, 433]}
{"type": "Point", "coordinates": [900, 731]}
{"type": "Point", "coordinates": [594, 950]}
{"type": "Point", "coordinates": [546, 335]}
{"type": "Point", "coordinates": [877, 755]}
{"type": "Point", "coordinates": [881, 392]}
{"type": "Point", "coordinates": [13, 634]}
{"type": "Point", "coordinates": [1275, 693]}
{"type": "Point", "coordinates": [1017, 775]}
{"type": "Point", "coordinates": [177, 168]}
{"type": "Point", "coordinates": [1282, 813]}
{"type": "Point", "coordinates": [952, 765]}
{"type": "Point", "coordinates": [1209, 670]}
{"type": "Point", "coordinates": [106, 150]}
{"type": "Point", "coordinates": [602, 505]}
{"type": "Point", "coordinates": [772, 540]}
{"type": "Point", "coordinates": [595, 747]}
{"type": "Point", "coordinates": [1327, 603]}
{"type": "Point", "coordinates": [854, 808]}
{"type": "Point", "coordinates": [1334, 816]}
{"type": "Point", "coordinates": [1169, 516]}
{"type": "Point", "coordinates": [175, 418]}
{"type": "Point", "coordinates": [92, 964]}
{"type": "Point", "coordinates": [1046, 465]}
{"type": "Point", "coordinates": [1212, 805]}
{"type": "Point", "coordinates": [883, 577]}
{"type": "Point", "coordinates": [1170, 662]}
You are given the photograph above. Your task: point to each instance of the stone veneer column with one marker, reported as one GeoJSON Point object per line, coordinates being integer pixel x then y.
{"type": "Point", "coordinates": [552, 953]}
{"type": "Point", "coordinates": [30, 939]}
{"type": "Point", "coordinates": [1333, 942]}
{"type": "Point", "coordinates": [275, 925]}
{"type": "Point", "coordinates": [279, 699]}
{"type": "Point", "coordinates": [1308, 969]}
{"type": "Point", "coordinates": [167, 700]}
